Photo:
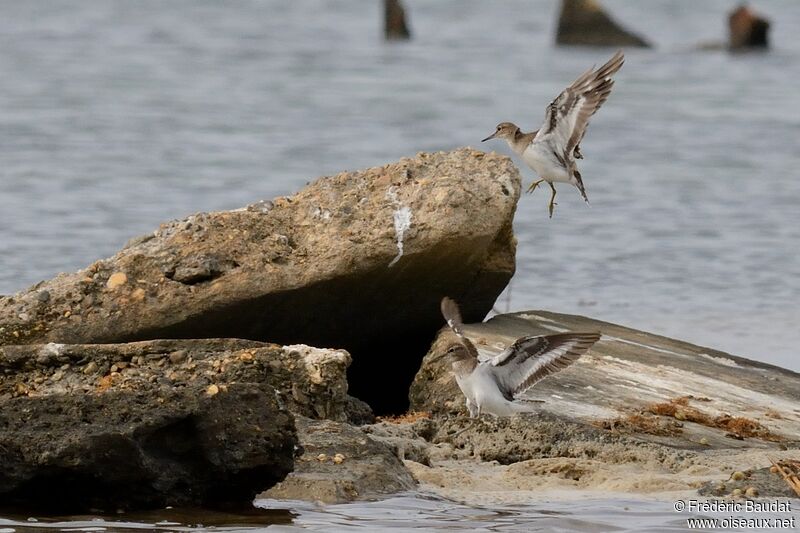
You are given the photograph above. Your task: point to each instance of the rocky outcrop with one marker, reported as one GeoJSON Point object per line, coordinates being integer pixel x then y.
{"type": "Point", "coordinates": [155, 423]}
{"type": "Point", "coordinates": [747, 30]}
{"type": "Point", "coordinates": [144, 448]}
{"type": "Point", "coordinates": [585, 23]}
{"type": "Point", "coordinates": [394, 21]}
{"type": "Point", "coordinates": [341, 463]}
{"type": "Point", "coordinates": [638, 413]}
{"type": "Point", "coordinates": [637, 384]}
{"type": "Point", "coordinates": [350, 261]}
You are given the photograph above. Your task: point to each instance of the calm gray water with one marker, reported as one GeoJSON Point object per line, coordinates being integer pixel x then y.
{"type": "Point", "coordinates": [118, 115]}
{"type": "Point", "coordinates": [414, 513]}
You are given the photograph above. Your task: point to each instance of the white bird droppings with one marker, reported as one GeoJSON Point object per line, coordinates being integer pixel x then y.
{"type": "Point", "coordinates": [402, 222]}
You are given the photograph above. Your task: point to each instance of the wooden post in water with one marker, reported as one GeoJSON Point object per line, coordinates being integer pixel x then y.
{"type": "Point", "coordinates": [586, 23]}
{"type": "Point", "coordinates": [395, 27]}
{"type": "Point", "coordinates": [747, 29]}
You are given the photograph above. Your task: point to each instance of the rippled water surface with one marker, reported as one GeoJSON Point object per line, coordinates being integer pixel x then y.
{"type": "Point", "coordinates": [402, 513]}
{"type": "Point", "coordinates": [118, 115]}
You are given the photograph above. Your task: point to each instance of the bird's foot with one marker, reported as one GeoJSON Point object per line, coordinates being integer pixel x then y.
{"type": "Point", "coordinates": [551, 207]}
{"type": "Point", "coordinates": [533, 186]}
{"type": "Point", "coordinates": [472, 423]}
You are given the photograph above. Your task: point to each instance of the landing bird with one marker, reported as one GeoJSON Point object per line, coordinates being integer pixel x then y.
{"type": "Point", "coordinates": [491, 386]}
{"type": "Point", "coordinates": [551, 151]}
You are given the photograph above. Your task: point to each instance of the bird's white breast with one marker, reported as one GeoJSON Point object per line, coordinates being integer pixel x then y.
{"type": "Point", "coordinates": [541, 158]}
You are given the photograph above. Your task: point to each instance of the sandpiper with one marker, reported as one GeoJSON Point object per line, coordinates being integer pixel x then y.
{"type": "Point", "coordinates": [491, 386]}
{"type": "Point", "coordinates": [551, 151]}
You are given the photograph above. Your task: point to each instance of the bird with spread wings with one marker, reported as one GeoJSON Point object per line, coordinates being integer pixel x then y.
{"type": "Point", "coordinates": [493, 385]}
{"type": "Point", "coordinates": [552, 150]}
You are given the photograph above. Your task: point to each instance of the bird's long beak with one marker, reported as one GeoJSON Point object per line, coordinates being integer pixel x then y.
{"type": "Point", "coordinates": [489, 137]}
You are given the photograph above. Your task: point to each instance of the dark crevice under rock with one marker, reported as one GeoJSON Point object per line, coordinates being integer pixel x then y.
{"type": "Point", "coordinates": [382, 335]}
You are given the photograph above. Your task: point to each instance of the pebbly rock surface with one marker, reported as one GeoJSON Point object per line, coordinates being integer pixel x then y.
{"type": "Point", "coordinates": [641, 385]}
{"type": "Point", "coordinates": [341, 463]}
{"type": "Point", "coordinates": [155, 423]}
{"type": "Point", "coordinates": [586, 23]}
{"type": "Point", "coordinates": [349, 261]}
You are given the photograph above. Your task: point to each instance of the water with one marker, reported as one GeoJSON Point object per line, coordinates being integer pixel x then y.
{"type": "Point", "coordinates": [116, 116]}
{"type": "Point", "coordinates": [412, 513]}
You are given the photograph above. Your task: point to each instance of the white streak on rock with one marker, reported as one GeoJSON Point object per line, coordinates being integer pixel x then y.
{"type": "Point", "coordinates": [721, 360]}
{"type": "Point", "coordinates": [647, 346]}
{"type": "Point", "coordinates": [402, 221]}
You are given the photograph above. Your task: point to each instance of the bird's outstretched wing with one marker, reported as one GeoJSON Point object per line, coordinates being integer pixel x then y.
{"type": "Point", "coordinates": [452, 315]}
{"type": "Point", "coordinates": [531, 359]}
{"type": "Point", "coordinates": [567, 117]}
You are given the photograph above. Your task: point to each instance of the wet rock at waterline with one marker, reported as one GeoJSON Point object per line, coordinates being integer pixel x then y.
{"type": "Point", "coordinates": [751, 482]}
{"type": "Point", "coordinates": [155, 423]}
{"type": "Point", "coordinates": [145, 448]}
{"type": "Point", "coordinates": [349, 261]}
{"type": "Point", "coordinates": [341, 463]}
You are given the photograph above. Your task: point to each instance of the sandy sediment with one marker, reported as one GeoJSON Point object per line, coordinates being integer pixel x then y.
{"type": "Point", "coordinates": [504, 462]}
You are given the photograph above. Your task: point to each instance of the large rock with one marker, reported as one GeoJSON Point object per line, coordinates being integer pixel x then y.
{"type": "Point", "coordinates": [585, 22]}
{"type": "Point", "coordinates": [144, 448]}
{"type": "Point", "coordinates": [156, 423]}
{"type": "Point", "coordinates": [638, 413]}
{"type": "Point", "coordinates": [357, 261]}
{"type": "Point", "coordinates": [638, 384]}
{"type": "Point", "coordinates": [341, 463]}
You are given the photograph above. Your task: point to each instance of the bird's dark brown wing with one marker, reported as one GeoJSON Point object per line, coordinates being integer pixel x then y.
{"type": "Point", "coordinates": [452, 314]}
{"type": "Point", "coordinates": [530, 359]}
{"type": "Point", "coordinates": [567, 116]}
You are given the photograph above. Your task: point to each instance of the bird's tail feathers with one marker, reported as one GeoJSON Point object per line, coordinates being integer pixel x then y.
{"type": "Point", "coordinates": [578, 182]}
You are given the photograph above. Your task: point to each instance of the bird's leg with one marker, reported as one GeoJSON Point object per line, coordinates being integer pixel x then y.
{"type": "Point", "coordinates": [474, 416]}
{"type": "Point", "coordinates": [534, 185]}
{"type": "Point", "coordinates": [552, 199]}
{"type": "Point", "coordinates": [471, 408]}
{"type": "Point", "coordinates": [460, 431]}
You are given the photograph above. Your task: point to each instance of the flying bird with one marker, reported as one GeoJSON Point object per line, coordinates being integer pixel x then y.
{"type": "Point", "coordinates": [492, 386]}
{"type": "Point", "coordinates": [552, 150]}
